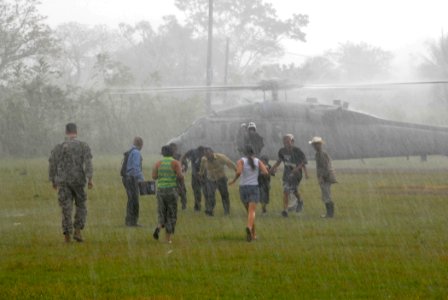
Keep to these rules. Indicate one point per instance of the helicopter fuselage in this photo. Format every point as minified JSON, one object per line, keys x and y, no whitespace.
{"x":348,"y":134}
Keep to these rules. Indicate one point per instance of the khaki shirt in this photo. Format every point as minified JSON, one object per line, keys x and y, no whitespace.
{"x":324,"y":169}
{"x":215,"y":167}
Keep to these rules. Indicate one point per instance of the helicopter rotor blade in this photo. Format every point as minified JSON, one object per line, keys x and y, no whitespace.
{"x":265,"y":86}
{"x":374,"y":85}
{"x":174,"y":89}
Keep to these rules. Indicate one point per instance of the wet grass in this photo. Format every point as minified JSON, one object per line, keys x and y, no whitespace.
{"x":388,"y":240}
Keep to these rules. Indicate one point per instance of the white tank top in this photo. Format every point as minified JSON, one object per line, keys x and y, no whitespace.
{"x":249,"y":176}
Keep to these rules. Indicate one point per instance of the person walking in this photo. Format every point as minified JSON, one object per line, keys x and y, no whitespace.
{"x":70,"y":167}
{"x":249,"y":168}
{"x":131,"y":179}
{"x":194,"y":156}
{"x":212,"y":167}
{"x":167,"y":172}
{"x":325,"y":175}
{"x":294,"y":161}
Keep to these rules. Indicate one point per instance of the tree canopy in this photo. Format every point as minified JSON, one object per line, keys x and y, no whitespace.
{"x":254,"y":29}
{"x":361,"y":61}
{"x":24,"y":36}
{"x":435,"y":66}
{"x":169,"y":55}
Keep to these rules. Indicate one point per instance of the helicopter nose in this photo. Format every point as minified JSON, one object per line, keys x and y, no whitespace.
{"x":178,"y":141}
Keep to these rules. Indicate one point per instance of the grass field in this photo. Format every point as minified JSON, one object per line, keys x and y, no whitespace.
{"x":389,"y":240}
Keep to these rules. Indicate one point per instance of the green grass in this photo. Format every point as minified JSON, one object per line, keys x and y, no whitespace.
{"x":388,"y":240}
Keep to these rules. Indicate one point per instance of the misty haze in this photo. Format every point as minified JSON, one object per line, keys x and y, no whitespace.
{"x":369,"y":81}
{"x":70,"y":72}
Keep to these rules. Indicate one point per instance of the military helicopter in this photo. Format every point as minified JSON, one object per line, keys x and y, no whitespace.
{"x":348,"y":134}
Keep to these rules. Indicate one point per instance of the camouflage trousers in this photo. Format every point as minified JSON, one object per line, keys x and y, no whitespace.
{"x":67,"y":195}
{"x":197,"y":187}
{"x":167,"y":208}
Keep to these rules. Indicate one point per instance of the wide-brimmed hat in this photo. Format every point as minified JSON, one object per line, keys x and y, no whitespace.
{"x":316,"y":140}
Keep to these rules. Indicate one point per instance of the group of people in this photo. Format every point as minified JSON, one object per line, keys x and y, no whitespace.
{"x":170,"y":185}
{"x":70,"y":168}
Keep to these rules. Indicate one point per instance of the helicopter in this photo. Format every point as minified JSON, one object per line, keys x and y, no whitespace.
{"x":348,"y":134}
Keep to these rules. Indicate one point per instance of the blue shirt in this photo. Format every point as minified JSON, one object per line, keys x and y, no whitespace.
{"x":134,"y":165}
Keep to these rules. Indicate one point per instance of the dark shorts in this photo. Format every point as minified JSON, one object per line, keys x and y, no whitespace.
{"x":291,"y":183}
{"x":249,"y":193}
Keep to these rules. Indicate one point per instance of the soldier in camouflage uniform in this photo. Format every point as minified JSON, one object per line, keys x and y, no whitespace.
{"x":70,"y":167}
{"x":253,"y":139}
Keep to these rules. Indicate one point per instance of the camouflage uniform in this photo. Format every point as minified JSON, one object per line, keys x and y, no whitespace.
{"x":254,"y":140}
{"x":70,"y":164}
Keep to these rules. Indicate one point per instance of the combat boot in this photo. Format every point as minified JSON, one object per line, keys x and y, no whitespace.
{"x":299,"y":206}
{"x":67,"y":238}
{"x":155,"y":235}
{"x":77,"y":236}
{"x":330,"y":210}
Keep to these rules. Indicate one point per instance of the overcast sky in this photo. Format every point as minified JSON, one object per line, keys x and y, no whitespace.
{"x":394,"y":25}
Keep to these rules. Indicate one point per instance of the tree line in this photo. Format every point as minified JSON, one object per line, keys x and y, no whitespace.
{"x":50,"y":76}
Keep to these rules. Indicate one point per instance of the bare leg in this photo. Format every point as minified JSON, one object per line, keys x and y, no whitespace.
{"x":254,"y":236}
{"x":251,"y":215}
